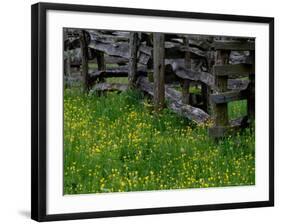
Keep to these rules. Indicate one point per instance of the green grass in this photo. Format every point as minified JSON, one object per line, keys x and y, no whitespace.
{"x":237,"y":109}
{"x":123,"y":80}
{"x":115,"y":143}
{"x":194,"y":89}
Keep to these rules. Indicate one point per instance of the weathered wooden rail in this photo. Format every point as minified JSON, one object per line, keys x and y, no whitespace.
{"x":222,"y":96}
{"x":215,"y":66}
{"x":175,"y":103}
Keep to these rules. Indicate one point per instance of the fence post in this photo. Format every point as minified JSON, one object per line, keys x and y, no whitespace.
{"x":205,"y":93}
{"x":186,"y":83}
{"x":101,"y":64}
{"x":206,"y":89}
{"x":133,"y":51}
{"x":251,"y":90}
{"x":208,"y":105}
{"x":84,"y":64}
{"x":159,"y":70}
{"x":67,"y":67}
{"x":68,"y":62}
{"x":220,"y":110}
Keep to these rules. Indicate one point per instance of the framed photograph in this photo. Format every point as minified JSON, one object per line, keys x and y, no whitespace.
{"x":139,"y":111}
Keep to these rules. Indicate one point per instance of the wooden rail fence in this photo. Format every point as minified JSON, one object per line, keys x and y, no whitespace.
{"x":186,"y":61}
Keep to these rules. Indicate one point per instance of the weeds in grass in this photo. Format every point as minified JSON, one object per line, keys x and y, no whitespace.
{"x":115,"y":143}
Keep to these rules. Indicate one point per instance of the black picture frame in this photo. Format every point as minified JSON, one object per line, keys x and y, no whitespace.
{"x":39,"y":107}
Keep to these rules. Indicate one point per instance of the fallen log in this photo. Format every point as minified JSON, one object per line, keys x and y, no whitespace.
{"x":193,"y":113}
{"x":174,"y":102}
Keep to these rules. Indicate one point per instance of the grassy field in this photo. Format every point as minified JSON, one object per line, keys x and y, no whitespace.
{"x":115,"y":143}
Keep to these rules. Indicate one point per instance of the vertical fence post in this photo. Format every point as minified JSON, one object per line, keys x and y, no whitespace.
{"x":68,"y":62}
{"x":186,"y":83}
{"x":206,"y":89}
{"x":101,"y":64}
{"x":220,"y":110}
{"x":208,"y":105}
{"x":159,"y":70}
{"x":67,"y":67}
{"x":133,"y":51}
{"x":251,"y":90}
{"x":84,"y":55}
{"x":205,"y":93}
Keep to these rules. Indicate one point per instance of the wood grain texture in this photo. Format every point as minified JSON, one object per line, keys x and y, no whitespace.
{"x":174,"y":102}
{"x":133,"y":51}
{"x":233,"y":71}
{"x":226,"y":97}
{"x":220,"y":110}
{"x":84,"y":63}
{"x":159,"y":71}
{"x":186,"y":82}
{"x":233,"y":45}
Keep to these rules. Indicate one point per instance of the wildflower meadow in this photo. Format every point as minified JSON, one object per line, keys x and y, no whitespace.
{"x":116,"y":143}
